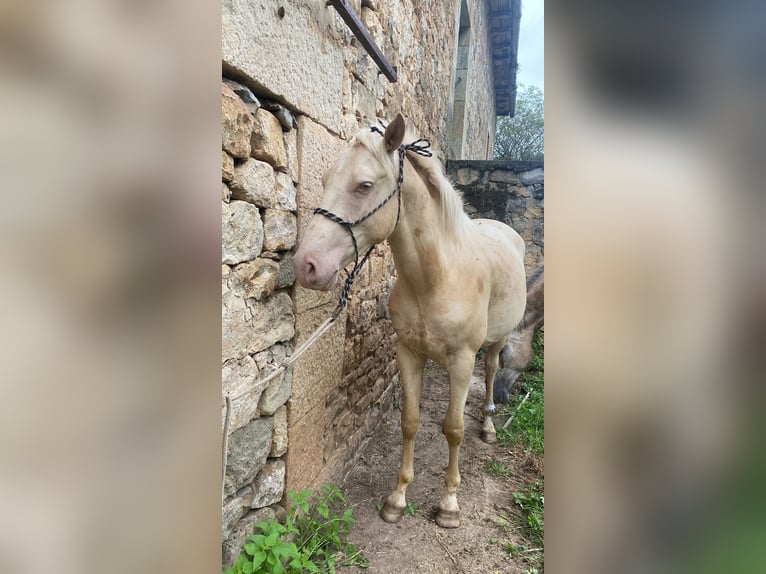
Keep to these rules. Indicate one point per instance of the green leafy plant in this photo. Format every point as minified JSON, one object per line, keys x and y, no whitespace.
{"x":410,"y":509}
{"x":314,"y":538}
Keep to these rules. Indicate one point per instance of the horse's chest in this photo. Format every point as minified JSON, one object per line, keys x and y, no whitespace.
{"x":435,"y":326}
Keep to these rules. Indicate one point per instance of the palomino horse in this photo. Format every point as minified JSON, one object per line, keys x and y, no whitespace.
{"x":517,"y":354}
{"x":460,"y":282}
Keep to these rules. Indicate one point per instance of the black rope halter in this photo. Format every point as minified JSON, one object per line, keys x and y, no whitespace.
{"x":419,"y":146}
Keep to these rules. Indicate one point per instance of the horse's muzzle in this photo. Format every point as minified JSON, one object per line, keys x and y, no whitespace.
{"x":312,"y":273}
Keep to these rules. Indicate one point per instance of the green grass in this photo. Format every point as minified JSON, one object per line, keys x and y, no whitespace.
{"x":496,"y":468}
{"x":528,"y":426}
{"x":313,"y":539}
{"x":532,"y":504}
{"x":528,"y":430}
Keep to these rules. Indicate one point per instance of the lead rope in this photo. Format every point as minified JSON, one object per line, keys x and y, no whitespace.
{"x":419,"y":146}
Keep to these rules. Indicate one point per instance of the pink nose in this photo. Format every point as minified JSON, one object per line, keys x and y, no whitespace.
{"x":309,"y":271}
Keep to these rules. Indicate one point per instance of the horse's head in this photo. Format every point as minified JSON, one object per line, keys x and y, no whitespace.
{"x":359,"y":181}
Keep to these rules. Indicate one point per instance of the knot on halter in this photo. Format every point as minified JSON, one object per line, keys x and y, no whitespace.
{"x":421,"y":147}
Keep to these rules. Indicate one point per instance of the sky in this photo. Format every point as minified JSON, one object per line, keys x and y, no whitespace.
{"x":531,"y":36}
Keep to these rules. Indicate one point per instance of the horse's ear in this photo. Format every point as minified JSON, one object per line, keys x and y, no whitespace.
{"x":394,"y":133}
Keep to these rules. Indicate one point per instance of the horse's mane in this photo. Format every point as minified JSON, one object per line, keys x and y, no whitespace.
{"x":431,"y":172}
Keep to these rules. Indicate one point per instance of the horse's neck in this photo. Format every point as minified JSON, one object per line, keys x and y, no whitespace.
{"x":419,"y":244}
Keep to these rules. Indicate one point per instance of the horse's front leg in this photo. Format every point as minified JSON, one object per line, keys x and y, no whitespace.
{"x":460,"y":370}
{"x":411,"y":367}
{"x":491,"y":361}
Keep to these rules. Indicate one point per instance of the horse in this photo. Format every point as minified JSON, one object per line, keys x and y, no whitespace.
{"x":517,"y":353}
{"x":460,"y":282}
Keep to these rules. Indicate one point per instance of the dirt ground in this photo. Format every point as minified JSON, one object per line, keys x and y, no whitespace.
{"x":416,"y":544}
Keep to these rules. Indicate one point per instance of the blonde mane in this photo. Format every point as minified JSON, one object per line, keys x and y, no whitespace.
{"x":431,"y":172}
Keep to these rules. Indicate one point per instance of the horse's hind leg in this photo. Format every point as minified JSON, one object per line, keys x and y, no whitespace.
{"x":411,"y":369}
{"x":491,"y":361}
{"x":460,"y":371}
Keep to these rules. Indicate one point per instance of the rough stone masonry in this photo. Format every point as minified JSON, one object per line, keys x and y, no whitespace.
{"x":259,"y":228}
{"x":509,"y":191}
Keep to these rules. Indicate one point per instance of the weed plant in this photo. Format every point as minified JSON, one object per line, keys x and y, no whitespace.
{"x":314,"y":538}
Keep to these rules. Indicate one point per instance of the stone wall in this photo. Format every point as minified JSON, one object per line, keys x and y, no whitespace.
{"x":259,"y":230}
{"x":509,"y":191}
{"x":480,"y":118}
{"x":297,"y":87}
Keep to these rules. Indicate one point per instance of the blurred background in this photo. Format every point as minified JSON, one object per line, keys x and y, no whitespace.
{"x":110,"y":410}
{"x":654,"y":149}
{"x":109,"y":416}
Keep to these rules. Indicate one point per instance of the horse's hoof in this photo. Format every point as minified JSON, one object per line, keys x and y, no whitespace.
{"x":448,"y":518}
{"x":489,"y":437}
{"x":391,"y":513}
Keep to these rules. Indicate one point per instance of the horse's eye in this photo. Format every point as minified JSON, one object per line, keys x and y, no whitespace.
{"x":366,"y":186}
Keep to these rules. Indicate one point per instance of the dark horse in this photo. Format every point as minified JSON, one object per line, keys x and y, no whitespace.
{"x":517,"y":354}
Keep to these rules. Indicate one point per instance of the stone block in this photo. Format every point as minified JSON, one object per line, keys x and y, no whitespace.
{"x":235,"y":509}
{"x":248,"y":448}
{"x":291,"y":151}
{"x":365,"y":106}
{"x":380,"y":264}
{"x":238,"y":376}
{"x":237,"y":124}
{"x":251,"y":326}
{"x":276,"y":393}
{"x":309,"y":299}
{"x":305,"y":457}
{"x":254,"y":182}
{"x":349,"y":126}
{"x":225,"y":193}
{"x":245,"y":528}
{"x":504,"y":176}
{"x":534,"y":211}
{"x":285,"y":194}
{"x":296,"y":55}
{"x":317,"y":151}
{"x":244,"y":93}
{"x":285,"y":116}
{"x":227,"y":166}
{"x":280,"y":230}
{"x":269,"y":485}
{"x":286,"y":275}
{"x":532,"y":177}
{"x":319,"y":370}
{"x":467,"y":176}
{"x":241,"y":231}
{"x":279,"y":439}
{"x":257,"y":278}
{"x":266,"y":143}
